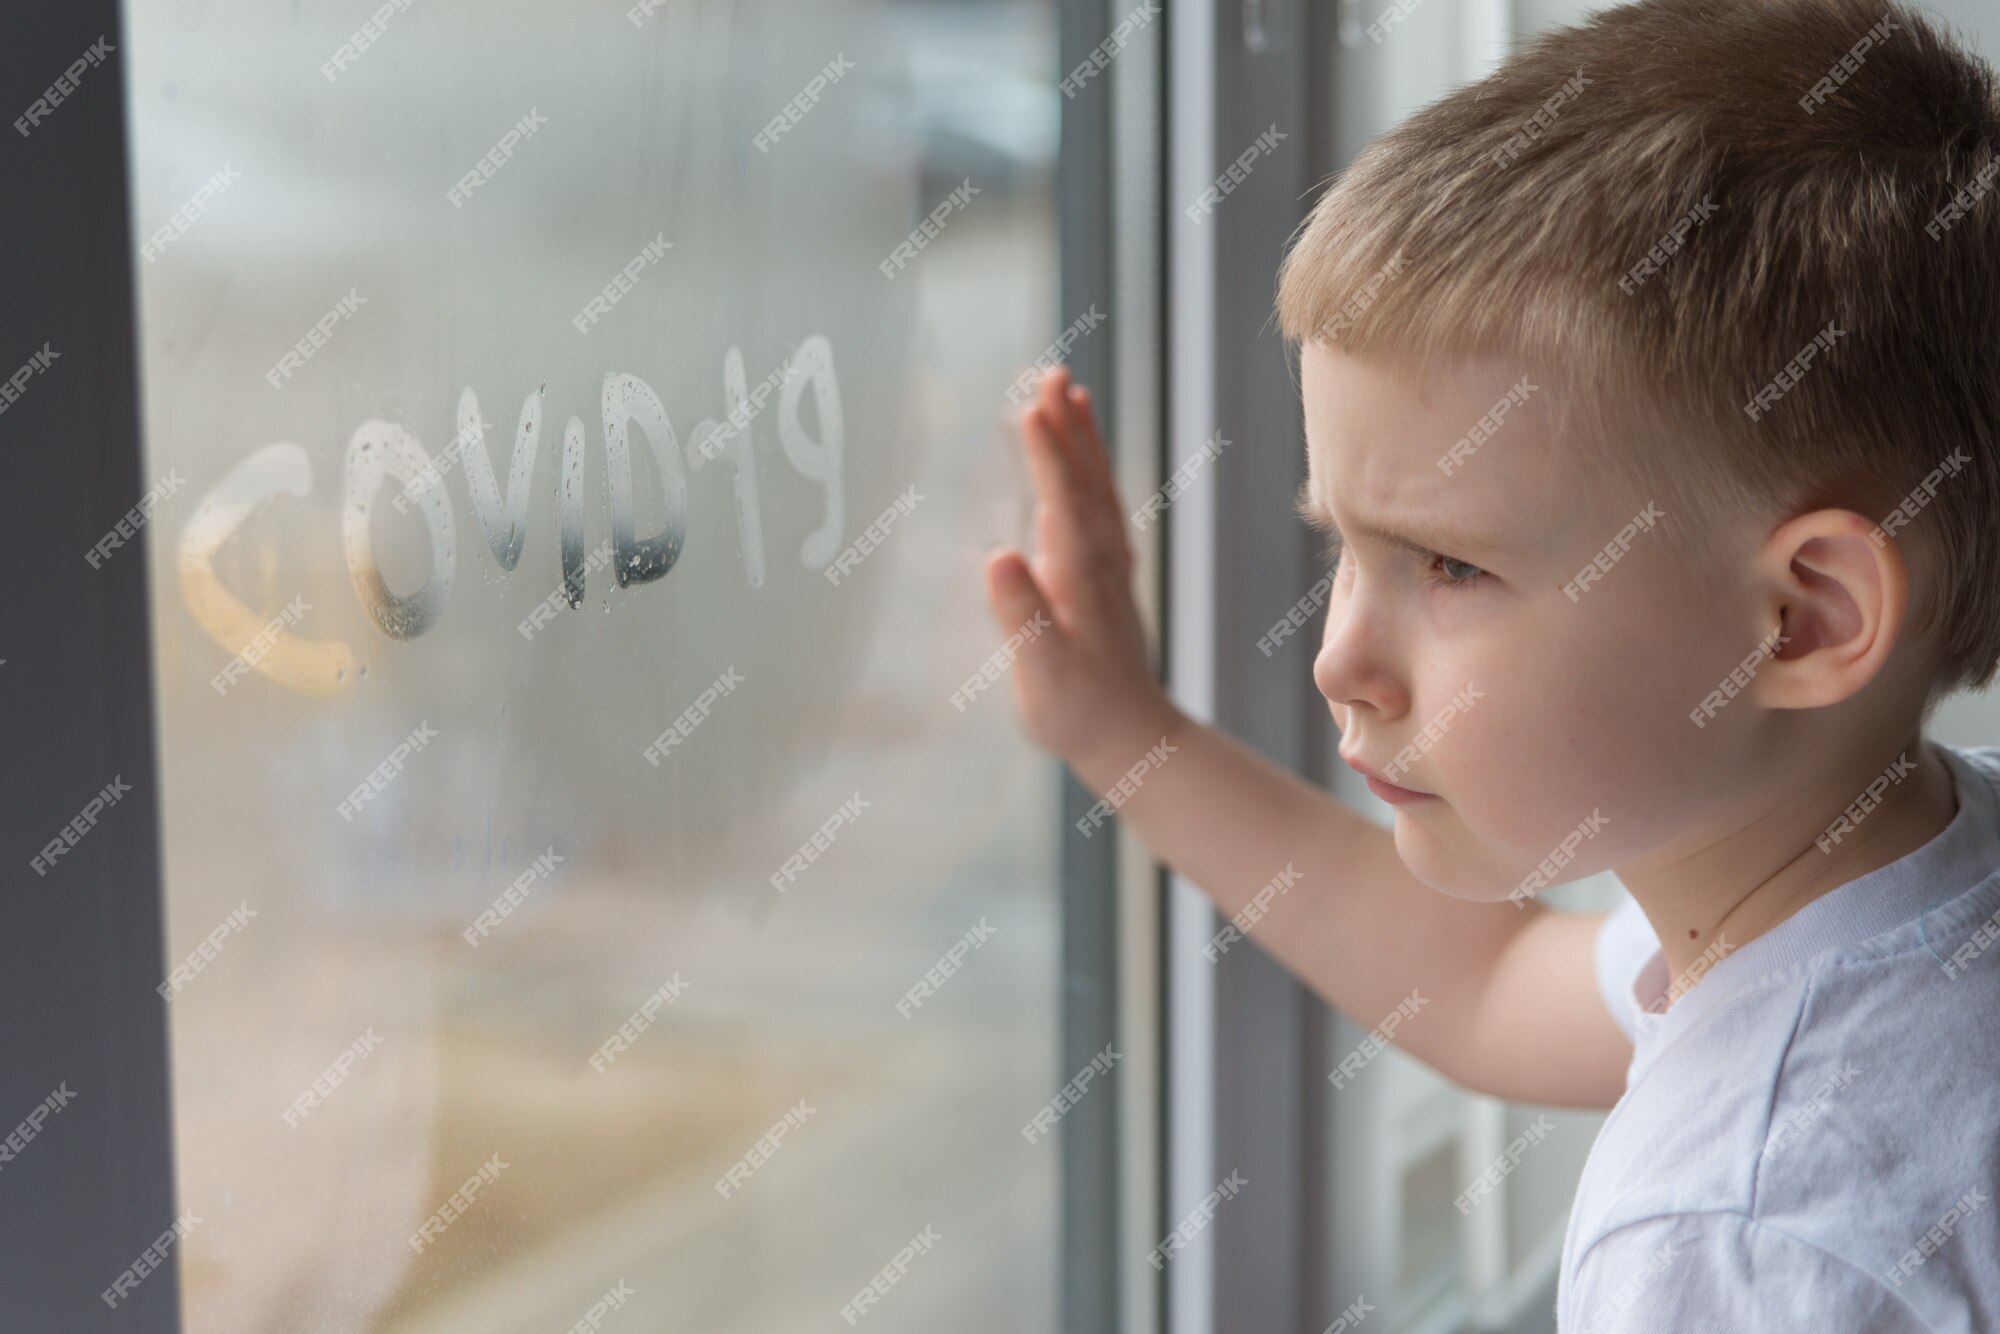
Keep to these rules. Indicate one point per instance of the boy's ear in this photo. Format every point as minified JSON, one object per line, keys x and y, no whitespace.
{"x":1837,"y":591}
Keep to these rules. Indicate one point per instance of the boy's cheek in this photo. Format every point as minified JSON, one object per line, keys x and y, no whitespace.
{"x":1521,"y":799}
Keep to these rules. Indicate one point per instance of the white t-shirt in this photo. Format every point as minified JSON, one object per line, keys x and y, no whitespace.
{"x":1809,"y":1138}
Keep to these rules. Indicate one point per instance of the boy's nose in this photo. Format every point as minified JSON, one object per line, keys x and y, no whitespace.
{"x":1351,"y":670}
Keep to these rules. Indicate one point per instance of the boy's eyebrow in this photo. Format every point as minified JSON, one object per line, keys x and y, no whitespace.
{"x":1436,"y":537}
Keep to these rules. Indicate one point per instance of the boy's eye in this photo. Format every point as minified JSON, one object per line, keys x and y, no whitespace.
{"x":1453,"y":579}
{"x":1453,"y":573}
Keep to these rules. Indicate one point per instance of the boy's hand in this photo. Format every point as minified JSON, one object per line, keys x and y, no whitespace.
{"x":1084,"y":684}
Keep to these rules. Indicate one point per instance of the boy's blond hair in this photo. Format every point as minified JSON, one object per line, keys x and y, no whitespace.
{"x":1753,"y":246}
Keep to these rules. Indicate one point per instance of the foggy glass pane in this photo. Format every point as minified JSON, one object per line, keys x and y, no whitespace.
{"x":542,"y":822}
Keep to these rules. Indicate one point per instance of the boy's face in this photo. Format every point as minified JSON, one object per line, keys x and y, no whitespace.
{"x":1571,"y":720}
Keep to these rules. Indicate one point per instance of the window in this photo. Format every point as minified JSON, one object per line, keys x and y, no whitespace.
{"x":591,"y":883}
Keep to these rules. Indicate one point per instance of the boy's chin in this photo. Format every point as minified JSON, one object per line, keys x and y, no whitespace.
{"x":1473,"y":880}
{"x":1476,"y":893}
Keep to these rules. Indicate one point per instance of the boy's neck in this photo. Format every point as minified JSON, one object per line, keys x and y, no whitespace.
{"x":1715,"y":900}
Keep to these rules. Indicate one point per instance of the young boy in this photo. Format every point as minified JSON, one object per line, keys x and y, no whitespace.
{"x":1652,"y":398}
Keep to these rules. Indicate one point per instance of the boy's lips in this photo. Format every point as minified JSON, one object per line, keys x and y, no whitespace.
{"x":1382,"y":787}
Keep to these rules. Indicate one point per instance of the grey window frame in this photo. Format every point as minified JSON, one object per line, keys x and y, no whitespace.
{"x":1245,"y":1084}
{"x":94,"y":1188}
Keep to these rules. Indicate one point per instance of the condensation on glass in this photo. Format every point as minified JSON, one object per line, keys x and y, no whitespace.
{"x":525,"y":387}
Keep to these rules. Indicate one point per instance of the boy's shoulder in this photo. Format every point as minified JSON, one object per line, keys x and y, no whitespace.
{"x":1833,"y":1136}
{"x":1826,"y":1130}
{"x":1983,"y":759}
{"x":1722,"y":1271}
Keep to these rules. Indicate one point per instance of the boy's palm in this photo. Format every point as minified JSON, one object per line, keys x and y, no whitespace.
{"x":1083,"y":679}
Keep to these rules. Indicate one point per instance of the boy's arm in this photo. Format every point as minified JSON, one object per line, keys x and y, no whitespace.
{"x":1510,"y":1004}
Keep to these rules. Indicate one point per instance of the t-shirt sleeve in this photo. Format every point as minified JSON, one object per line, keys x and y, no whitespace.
{"x":1625,"y":940}
{"x":1723,"y":1271}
